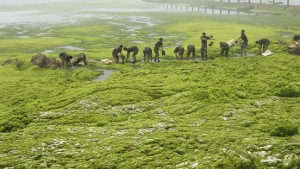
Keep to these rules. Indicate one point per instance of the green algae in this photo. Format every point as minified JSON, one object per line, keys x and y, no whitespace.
{"x":220,"y":113}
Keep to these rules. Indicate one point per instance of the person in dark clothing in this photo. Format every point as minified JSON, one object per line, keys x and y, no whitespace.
{"x":296,"y":38}
{"x":244,"y":41}
{"x":204,"y":39}
{"x":224,"y":48}
{"x":135,"y":51}
{"x":65,"y":59}
{"x":263,"y":43}
{"x":80,"y":57}
{"x":179,"y":50}
{"x":191,"y":50}
{"x":158,"y":47}
{"x":147,"y":53}
{"x":116,"y":52}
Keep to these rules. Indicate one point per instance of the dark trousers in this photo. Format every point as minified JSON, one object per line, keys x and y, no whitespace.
{"x":225,"y":51}
{"x":204,"y":52}
{"x":266,"y":45}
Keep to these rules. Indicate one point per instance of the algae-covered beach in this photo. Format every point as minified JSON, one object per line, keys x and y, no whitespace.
{"x":235,"y":112}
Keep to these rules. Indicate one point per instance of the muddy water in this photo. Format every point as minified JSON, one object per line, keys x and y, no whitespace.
{"x":49,"y":14}
{"x":67,"y":12}
{"x":131,"y":24}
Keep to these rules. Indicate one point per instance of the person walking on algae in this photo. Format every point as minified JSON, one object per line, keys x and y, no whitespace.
{"x":158,"y":47}
{"x":243,"y":38}
{"x":263,"y":43}
{"x":116,"y":52}
{"x":204,"y":39}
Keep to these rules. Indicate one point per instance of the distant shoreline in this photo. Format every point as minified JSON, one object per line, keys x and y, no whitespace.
{"x":234,"y":2}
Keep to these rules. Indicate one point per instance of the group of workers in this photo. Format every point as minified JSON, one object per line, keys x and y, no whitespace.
{"x":225,"y":46}
{"x":117,"y":52}
{"x":179,"y":50}
{"x":191,"y":50}
{"x":66,"y":59}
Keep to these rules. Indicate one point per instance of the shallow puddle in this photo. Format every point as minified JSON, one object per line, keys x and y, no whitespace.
{"x":48,"y":51}
{"x":70,"y":48}
{"x":287,"y":34}
{"x":248,"y":55}
{"x":106,"y":74}
{"x":22,"y":37}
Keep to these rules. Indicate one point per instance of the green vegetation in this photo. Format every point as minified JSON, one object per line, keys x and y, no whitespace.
{"x":219,"y":113}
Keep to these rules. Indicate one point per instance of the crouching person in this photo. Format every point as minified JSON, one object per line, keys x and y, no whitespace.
{"x":147,"y":53}
{"x":179,"y":50}
{"x":65,"y":59}
{"x":224,"y":49}
{"x":263,"y":43}
{"x":135,"y":51}
{"x":80,"y":58}
{"x":116,"y":52}
{"x":191,"y":50}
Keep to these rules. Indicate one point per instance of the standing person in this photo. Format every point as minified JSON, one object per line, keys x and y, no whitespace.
{"x":135,"y":51}
{"x":224,"y":48}
{"x":263,"y":43}
{"x":204,"y":39}
{"x":116,"y":52}
{"x":244,"y":41}
{"x":158,"y":46}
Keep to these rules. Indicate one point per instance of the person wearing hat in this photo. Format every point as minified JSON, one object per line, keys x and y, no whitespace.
{"x":158,"y":46}
{"x":243,"y":38}
{"x":204,"y":39}
{"x":263,"y":43}
{"x":116,"y":52}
